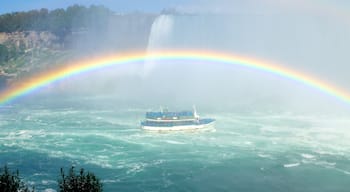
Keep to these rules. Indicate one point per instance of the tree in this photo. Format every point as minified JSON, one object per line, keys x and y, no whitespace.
{"x":81,"y":182}
{"x":11,"y":182}
{"x":4,"y":54}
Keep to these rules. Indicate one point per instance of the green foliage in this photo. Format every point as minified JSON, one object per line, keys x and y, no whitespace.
{"x":4,"y":54}
{"x":79,"y":182}
{"x":59,"y":21}
{"x":11,"y":182}
{"x":72,"y":182}
{"x":12,"y":51}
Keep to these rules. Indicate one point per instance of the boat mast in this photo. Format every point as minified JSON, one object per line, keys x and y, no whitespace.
{"x":196,"y":116}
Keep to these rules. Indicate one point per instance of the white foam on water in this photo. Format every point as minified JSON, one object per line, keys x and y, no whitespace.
{"x":262,"y":155}
{"x":291,"y":165}
{"x":32,"y":183}
{"x":325,"y":164}
{"x":346,"y":172}
{"x":99,"y":162}
{"x":40,"y":174}
{"x":307,"y":156}
{"x":175,"y":142}
{"x":158,"y":162}
{"x":110,"y":180}
{"x":49,"y":190}
{"x":48,"y":182}
{"x":135,"y":168}
{"x":19,"y":135}
{"x":248,"y":142}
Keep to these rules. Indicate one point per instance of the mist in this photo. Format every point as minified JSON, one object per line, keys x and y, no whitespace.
{"x":307,"y":39}
{"x":255,"y":130}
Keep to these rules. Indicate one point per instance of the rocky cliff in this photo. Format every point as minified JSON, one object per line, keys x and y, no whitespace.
{"x":29,"y":40}
{"x":24,"y":53}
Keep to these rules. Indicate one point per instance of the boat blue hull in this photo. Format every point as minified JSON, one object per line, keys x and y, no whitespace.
{"x":176,"y":126}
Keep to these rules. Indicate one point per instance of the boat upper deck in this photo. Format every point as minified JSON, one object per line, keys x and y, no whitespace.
{"x":170,"y":115}
{"x":177,"y":123}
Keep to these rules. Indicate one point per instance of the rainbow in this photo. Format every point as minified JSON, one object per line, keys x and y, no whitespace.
{"x":29,"y":85}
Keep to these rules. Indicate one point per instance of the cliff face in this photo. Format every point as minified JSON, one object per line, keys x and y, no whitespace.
{"x":3,"y":37}
{"x":29,"y":39}
{"x":119,"y":32}
{"x":24,"y":53}
{"x":19,"y":52}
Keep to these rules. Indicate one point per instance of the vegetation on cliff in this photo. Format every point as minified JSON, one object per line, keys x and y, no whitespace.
{"x":60,"y":22}
{"x":71,"y":182}
{"x":37,"y":40}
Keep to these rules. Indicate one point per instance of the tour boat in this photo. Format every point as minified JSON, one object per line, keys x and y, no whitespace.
{"x":175,"y":121}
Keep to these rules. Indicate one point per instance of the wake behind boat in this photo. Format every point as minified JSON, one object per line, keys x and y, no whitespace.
{"x":175,"y":121}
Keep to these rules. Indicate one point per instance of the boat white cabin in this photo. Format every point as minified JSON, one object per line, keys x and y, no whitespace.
{"x":175,"y":121}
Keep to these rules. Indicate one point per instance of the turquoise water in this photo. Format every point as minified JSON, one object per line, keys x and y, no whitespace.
{"x":254,"y":151}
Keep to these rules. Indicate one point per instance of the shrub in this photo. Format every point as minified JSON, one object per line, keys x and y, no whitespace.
{"x":11,"y":182}
{"x":78,"y":182}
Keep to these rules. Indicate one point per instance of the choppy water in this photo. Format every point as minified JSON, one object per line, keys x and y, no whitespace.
{"x":247,"y":152}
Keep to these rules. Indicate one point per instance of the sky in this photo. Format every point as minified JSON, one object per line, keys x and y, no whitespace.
{"x":156,"y":6}
{"x":7,"y":6}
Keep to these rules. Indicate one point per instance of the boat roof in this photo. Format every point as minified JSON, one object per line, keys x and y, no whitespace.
{"x":153,"y":115}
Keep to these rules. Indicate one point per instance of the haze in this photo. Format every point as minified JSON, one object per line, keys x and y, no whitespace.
{"x":309,"y":37}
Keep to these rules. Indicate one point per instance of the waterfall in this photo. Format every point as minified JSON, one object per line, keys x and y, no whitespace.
{"x":159,"y":37}
{"x":160,"y":32}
